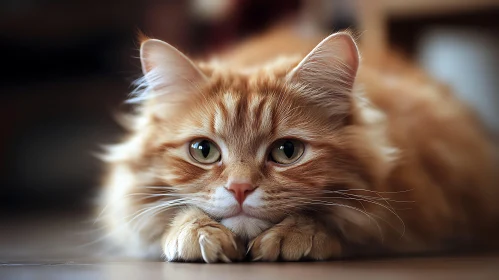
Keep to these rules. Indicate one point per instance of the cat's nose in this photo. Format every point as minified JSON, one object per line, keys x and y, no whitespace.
{"x":240,"y":190}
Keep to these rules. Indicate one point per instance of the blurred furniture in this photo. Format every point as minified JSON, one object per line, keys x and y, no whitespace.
{"x":374,"y":15}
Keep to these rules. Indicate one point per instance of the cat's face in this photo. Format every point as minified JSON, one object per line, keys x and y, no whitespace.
{"x":249,"y":149}
{"x":284,"y":153}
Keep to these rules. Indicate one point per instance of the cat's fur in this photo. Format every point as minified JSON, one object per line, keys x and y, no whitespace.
{"x":393,"y":162}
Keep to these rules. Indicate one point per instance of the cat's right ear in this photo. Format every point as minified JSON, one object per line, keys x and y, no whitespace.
{"x":167,"y":71}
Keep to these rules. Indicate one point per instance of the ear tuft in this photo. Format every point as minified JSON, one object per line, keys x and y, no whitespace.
{"x":141,"y":36}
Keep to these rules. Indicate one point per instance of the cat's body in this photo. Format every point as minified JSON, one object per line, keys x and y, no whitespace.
{"x":390,"y":162}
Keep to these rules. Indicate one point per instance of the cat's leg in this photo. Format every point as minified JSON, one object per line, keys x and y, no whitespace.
{"x":295,"y":238}
{"x":194,"y":236}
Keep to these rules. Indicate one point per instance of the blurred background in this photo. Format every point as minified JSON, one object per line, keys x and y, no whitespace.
{"x":67,"y":66}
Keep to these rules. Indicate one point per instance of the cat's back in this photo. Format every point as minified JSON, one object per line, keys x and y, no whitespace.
{"x":445,"y":151}
{"x":420,"y":108}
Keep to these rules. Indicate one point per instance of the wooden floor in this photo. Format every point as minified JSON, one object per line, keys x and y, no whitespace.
{"x":425,"y":269}
{"x":58,"y":247}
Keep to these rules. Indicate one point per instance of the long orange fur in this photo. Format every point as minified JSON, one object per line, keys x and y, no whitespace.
{"x":407,"y":167}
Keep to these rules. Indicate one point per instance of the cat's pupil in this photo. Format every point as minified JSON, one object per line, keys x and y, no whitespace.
{"x":288,"y":148}
{"x":204,"y":146}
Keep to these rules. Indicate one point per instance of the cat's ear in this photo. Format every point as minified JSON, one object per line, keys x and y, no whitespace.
{"x":328,"y":73}
{"x":168,"y":71}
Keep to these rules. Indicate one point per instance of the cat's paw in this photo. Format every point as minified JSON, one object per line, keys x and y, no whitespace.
{"x":201,"y":239}
{"x":295,"y":238}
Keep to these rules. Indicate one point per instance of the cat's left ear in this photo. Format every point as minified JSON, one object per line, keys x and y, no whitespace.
{"x":328,"y":73}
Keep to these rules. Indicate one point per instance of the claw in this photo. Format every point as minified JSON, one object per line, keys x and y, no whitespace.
{"x":257,"y":258}
{"x":224,"y":258}
{"x":234,"y":243}
{"x":309,"y":248}
{"x":250,"y":245}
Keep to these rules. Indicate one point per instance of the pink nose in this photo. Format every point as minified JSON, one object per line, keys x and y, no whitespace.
{"x":240,"y":190}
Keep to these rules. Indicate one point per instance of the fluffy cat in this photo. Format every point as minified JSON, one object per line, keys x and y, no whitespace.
{"x":270,"y":154}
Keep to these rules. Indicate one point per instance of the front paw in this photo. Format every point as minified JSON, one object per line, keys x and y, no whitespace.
{"x":196,"y":237}
{"x":293,"y":239}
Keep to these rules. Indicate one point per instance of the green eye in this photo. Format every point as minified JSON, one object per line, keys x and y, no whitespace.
{"x":204,"y":151}
{"x":286,"y":151}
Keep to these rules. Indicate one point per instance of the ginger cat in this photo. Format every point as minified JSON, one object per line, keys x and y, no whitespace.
{"x":269,"y":153}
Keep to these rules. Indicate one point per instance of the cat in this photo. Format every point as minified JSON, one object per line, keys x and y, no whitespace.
{"x":285,"y":149}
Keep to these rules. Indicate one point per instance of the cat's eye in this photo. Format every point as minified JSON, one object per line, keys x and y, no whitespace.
{"x":286,"y":151}
{"x":204,"y":151}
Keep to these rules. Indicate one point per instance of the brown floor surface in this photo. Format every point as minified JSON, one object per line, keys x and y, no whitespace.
{"x":57,"y":247}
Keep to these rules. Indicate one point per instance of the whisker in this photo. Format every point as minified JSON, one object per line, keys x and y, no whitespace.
{"x":389,"y":208}
{"x":366,"y":190}
{"x":144,"y":210}
{"x":367,"y":214}
{"x":377,"y":198}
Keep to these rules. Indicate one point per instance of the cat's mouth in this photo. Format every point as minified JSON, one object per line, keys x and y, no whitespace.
{"x":239,"y":212}
{"x":243,"y":211}
{"x":246,"y":211}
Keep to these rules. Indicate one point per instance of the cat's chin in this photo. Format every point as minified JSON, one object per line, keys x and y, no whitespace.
{"x":246,"y":227}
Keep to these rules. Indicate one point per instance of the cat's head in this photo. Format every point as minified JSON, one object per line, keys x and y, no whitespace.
{"x":249,"y":146}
